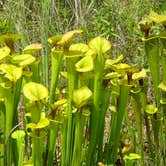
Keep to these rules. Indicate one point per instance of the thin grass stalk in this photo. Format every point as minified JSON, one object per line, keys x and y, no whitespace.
{"x":121,"y":107}
{"x":46,"y":7}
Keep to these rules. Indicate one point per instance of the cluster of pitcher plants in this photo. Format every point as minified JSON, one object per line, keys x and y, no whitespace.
{"x":96,"y":109}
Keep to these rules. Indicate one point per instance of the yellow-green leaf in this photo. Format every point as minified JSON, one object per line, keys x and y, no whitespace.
{"x":18,"y":134}
{"x":99,"y":45}
{"x":140,"y":75}
{"x":110,"y":62}
{"x":68,"y":36}
{"x":41,"y":124}
{"x":9,"y":39}
{"x":4,"y":51}
{"x":157,"y":18}
{"x":132,"y":156}
{"x":54,"y":39}
{"x":23,"y":60}
{"x":32,"y":48}
{"x":85,"y":64}
{"x":35,"y":91}
{"x":79,"y":47}
{"x":162,"y":86}
{"x":121,"y":66}
{"x":112,"y":75}
{"x":11,"y":72}
{"x":86,"y":112}
{"x":151,"y":109}
{"x":81,"y":96}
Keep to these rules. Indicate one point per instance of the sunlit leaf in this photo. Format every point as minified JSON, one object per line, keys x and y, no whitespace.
{"x":112,"y":108}
{"x":9,"y":39}
{"x":81,"y":96}
{"x":18,"y":134}
{"x":85,"y":64}
{"x":34,"y":91}
{"x":90,"y":52}
{"x":101,"y":164}
{"x":32,"y":48}
{"x":112,"y":75}
{"x":127,"y":148}
{"x":86,"y":112}
{"x":23,"y":60}
{"x":11,"y":72}
{"x":4,"y":51}
{"x":64,"y":74}
{"x":73,"y":53}
{"x":121,"y":66}
{"x":99,"y":45}
{"x":139,"y":75}
{"x":110,"y":62}
{"x":132,"y":156}
{"x":162,"y":86}
{"x":54,"y":39}
{"x":163,"y":101}
{"x":60,"y":102}
{"x":157,"y":18}
{"x":79,"y":47}
{"x":151,"y":109}
{"x":41,"y":124}
{"x":68,"y":36}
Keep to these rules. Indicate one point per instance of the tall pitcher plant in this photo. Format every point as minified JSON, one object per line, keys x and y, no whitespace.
{"x":154,"y":49}
{"x":12,"y":69}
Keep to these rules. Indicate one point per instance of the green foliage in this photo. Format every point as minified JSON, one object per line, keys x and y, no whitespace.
{"x":87,"y":110}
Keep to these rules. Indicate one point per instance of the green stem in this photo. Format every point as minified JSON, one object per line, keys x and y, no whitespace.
{"x":56,"y":60}
{"x":20,"y":147}
{"x":94,"y":121}
{"x":9,"y":102}
{"x":2,"y":133}
{"x":105,"y":103}
{"x":112,"y":129}
{"x":36,"y":141}
{"x":37,"y":151}
{"x":72,"y":82}
{"x":79,"y":128}
{"x":136,"y":103}
{"x":122,"y":103}
{"x":53,"y":133}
